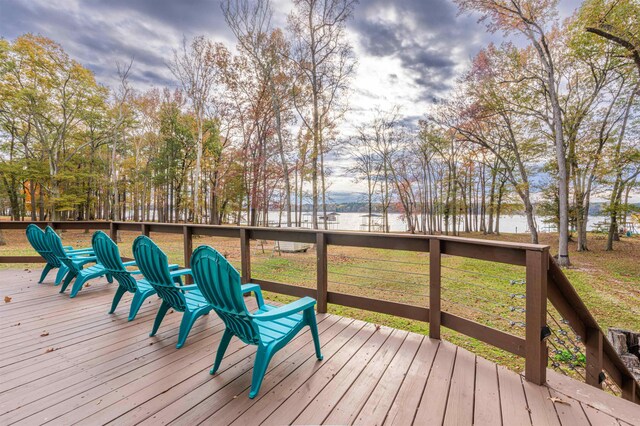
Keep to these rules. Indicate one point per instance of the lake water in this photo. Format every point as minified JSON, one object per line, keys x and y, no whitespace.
{"x":508,"y":224}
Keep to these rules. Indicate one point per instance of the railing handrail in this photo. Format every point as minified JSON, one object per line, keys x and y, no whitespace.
{"x":600,"y":354}
{"x":477,"y":241}
{"x":545,"y":281}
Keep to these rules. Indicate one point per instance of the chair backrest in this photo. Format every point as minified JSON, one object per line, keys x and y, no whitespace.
{"x":154,"y":266}
{"x":55,"y":244}
{"x":108,"y":254}
{"x":220,"y":284}
{"x":38,"y":241}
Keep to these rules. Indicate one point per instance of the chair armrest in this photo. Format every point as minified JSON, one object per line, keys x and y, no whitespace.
{"x":84,"y":260}
{"x":77,"y":253}
{"x":286,"y":310}
{"x":179,"y":272}
{"x":67,"y":248}
{"x":174,"y":266}
{"x":82,"y":250}
{"x":255,"y":288}
{"x":130,"y":263}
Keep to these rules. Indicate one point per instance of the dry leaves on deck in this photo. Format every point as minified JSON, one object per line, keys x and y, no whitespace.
{"x":556,"y":400}
{"x":7,"y":299}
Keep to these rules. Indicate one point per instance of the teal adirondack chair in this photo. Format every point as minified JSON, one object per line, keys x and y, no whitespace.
{"x":182,"y":298}
{"x":37,"y":239}
{"x":108,"y":255}
{"x":269,"y":327}
{"x":76,"y":265}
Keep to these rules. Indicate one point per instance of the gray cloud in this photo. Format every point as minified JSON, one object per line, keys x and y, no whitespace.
{"x":99,"y":33}
{"x":428,"y":37}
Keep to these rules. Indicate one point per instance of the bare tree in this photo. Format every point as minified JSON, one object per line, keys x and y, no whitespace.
{"x":365,"y":165}
{"x":122,"y":96}
{"x":195,"y":68}
{"x":251,"y":24}
{"x":324,"y":61}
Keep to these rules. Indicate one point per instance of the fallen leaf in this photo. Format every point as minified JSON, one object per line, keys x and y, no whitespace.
{"x":87,"y":285}
{"x":7,"y":299}
{"x":44,"y":333}
{"x":49,"y":350}
{"x":556,"y":400}
{"x":16,"y":324}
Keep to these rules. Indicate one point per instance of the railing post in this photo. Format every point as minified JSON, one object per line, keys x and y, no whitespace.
{"x":537,"y":263}
{"x":628,"y":388}
{"x":322,"y":272}
{"x":187,"y":236}
{"x":435,"y":271}
{"x":113,"y":231}
{"x":245,"y":255}
{"x":593,"y":345}
{"x":144,"y":229}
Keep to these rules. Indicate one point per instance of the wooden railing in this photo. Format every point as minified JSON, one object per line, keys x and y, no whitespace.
{"x":545,"y":281}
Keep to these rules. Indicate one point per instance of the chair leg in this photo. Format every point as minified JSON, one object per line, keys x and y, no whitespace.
{"x":71,"y":275}
{"x":222,"y":348}
{"x":136,"y":302}
{"x":45,"y":271}
{"x":62,"y":271}
{"x":116,"y":299}
{"x":188,"y":318}
{"x":109,"y":278}
{"x":159,"y":317}
{"x":77,"y":285}
{"x":259,"y":369}
{"x":86,"y":276}
{"x":310,"y":318}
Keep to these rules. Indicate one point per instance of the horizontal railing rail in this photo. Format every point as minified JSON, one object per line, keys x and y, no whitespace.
{"x":544,"y":282}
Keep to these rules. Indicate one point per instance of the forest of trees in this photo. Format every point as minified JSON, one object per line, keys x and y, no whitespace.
{"x":546,"y":119}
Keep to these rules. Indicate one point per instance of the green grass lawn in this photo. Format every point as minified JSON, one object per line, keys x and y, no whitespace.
{"x":490,"y":293}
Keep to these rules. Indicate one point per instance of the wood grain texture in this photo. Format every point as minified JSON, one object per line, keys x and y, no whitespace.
{"x":104,"y":369}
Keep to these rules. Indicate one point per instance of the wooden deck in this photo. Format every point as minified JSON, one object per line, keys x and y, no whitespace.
{"x":65,"y":361}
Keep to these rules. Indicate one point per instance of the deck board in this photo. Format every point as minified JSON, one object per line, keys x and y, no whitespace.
{"x":459,"y":409}
{"x":406,"y":403}
{"x":372,"y":359}
{"x":354,"y":398}
{"x":382,"y":396}
{"x":513,"y":401}
{"x":486,"y":408}
{"x":368,"y":338}
{"x":569,"y":411}
{"x":105,"y":369}
{"x":433,"y":405}
{"x":541,"y":407}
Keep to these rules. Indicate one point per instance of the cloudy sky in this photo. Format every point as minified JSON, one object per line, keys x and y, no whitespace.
{"x":409,"y":51}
